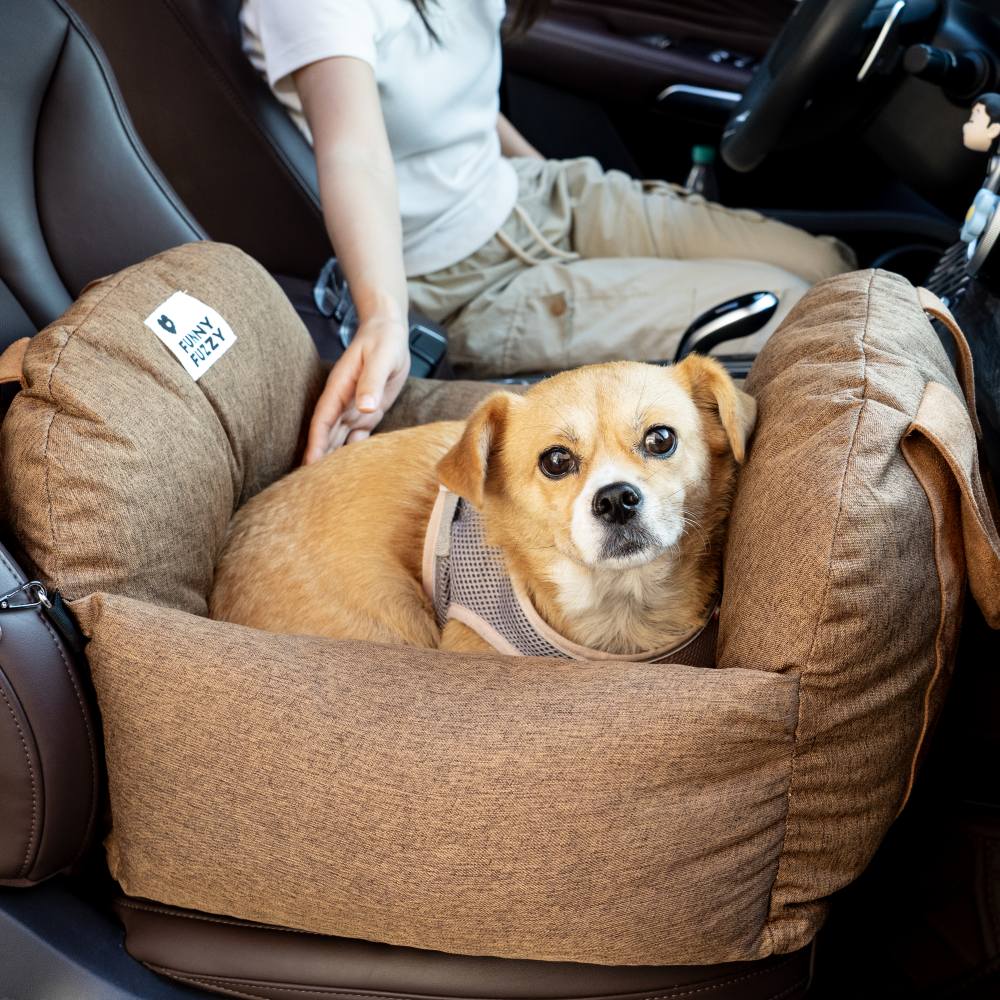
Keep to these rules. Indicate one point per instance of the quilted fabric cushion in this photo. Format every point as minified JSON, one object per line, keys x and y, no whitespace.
{"x":122,"y":471}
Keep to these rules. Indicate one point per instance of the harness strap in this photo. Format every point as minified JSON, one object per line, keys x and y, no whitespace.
{"x":466,"y":580}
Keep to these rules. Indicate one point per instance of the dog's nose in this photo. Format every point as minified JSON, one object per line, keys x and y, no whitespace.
{"x":617,"y":503}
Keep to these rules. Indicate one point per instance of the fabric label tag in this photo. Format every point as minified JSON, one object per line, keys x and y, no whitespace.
{"x":194,"y":333}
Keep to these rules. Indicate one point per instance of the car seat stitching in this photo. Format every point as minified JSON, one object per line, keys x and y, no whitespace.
{"x":228,"y":985}
{"x":33,"y":832}
{"x":768,"y":931}
{"x":42,"y":106}
{"x":84,"y":714}
{"x":216,"y":985}
{"x":797,"y":985}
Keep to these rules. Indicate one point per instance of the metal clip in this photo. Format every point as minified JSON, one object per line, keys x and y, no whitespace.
{"x":35,"y":592}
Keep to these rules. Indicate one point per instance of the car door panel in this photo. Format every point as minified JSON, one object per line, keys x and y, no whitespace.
{"x":748,"y":25}
{"x":631,"y":51}
{"x":577,"y":54}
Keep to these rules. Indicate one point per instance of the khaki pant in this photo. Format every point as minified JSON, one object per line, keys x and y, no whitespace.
{"x":651,"y":258}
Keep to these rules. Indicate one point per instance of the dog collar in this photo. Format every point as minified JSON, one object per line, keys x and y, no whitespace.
{"x":466,"y":580}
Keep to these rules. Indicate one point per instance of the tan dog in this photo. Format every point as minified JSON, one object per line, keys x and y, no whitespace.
{"x":606,"y":489}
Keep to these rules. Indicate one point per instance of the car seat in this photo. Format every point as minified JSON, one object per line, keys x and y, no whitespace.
{"x":249,"y":153}
{"x":79,"y":198}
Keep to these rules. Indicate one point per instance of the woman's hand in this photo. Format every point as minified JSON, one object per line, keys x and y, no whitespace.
{"x":362,"y":385}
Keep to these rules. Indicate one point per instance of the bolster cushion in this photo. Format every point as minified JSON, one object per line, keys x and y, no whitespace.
{"x":481,"y":805}
{"x":121,"y":471}
{"x":846,"y":565}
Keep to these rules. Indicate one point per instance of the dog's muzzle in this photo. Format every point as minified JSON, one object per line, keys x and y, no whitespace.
{"x":616,"y":506}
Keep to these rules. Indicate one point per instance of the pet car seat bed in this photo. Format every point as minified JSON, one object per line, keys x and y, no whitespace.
{"x":621,"y":814}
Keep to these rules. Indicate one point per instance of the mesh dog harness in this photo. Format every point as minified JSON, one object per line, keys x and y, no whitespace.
{"x":467,"y":581}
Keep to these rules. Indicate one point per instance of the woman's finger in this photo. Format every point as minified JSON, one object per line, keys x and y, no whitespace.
{"x":336,"y":397}
{"x":379,"y":365}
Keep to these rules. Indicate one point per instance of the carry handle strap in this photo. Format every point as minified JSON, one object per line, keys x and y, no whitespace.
{"x":932,"y":305}
{"x":12,"y":361}
{"x":941,"y":440}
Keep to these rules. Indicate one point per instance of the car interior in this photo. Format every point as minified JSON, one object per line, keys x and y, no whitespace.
{"x":134,"y":126}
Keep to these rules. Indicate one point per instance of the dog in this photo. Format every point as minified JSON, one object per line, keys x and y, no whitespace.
{"x":591,"y":511}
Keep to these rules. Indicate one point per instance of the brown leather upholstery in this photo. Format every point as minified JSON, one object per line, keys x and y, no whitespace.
{"x":252,"y":960}
{"x":49,"y":752}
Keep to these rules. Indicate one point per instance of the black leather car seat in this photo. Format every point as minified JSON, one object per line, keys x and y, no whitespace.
{"x":79,"y":198}
{"x":240,"y":149}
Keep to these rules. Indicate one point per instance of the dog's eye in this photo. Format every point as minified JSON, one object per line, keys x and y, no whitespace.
{"x":660,"y":441}
{"x":557,"y":462}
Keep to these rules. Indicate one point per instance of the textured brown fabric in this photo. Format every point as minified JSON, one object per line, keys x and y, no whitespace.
{"x":838,"y":572}
{"x":121,"y":471}
{"x":610,"y":813}
{"x":941,"y":422}
{"x":944,"y":457}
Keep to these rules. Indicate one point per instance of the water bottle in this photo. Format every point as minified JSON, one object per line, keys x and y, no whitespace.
{"x":701,"y":178}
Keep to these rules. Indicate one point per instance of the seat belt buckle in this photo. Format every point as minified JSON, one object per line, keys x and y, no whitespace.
{"x":332,"y":297}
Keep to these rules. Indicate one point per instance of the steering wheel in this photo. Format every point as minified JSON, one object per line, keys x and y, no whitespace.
{"x":817,"y":43}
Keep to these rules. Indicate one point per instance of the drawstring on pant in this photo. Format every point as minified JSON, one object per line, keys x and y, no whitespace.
{"x":524,"y":255}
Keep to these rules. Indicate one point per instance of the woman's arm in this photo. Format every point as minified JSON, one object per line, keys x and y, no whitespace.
{"x":357,"y":183}
{"x":512,"y":143}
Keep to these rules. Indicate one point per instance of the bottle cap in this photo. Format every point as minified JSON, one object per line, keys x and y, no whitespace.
{"x":702,"y":156}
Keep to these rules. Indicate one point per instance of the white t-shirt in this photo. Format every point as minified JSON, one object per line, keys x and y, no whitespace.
{"x":440,"y":102}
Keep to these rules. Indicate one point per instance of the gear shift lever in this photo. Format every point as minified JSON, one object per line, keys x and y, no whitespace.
{"x":731,"y":320}
{"x":736,"y":318}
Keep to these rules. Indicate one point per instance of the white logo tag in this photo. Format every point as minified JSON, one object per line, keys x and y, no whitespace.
{"x":194,"y":333}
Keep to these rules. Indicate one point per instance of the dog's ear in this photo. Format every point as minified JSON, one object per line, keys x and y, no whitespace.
{"x":464,"y":469}
{"x":714,"y":391}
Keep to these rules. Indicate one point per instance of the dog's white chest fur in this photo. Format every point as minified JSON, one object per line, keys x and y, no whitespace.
{"x":619,"y":610}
